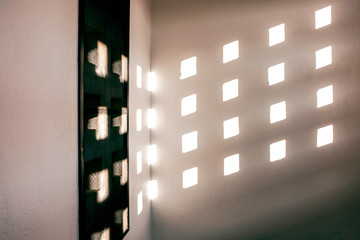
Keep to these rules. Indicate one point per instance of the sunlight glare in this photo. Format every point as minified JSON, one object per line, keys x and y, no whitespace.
{"x":230,"y":89}
{"x":278,"y":112}
{"x":102,"y":60}
{"x":188,"y":68}
{"x":151,"y":118}
{"x":138,"y":76}
{"x":325,"y":135}
{"x":190,"y":177}
{"x":276,"y":34}
{"x":230,"y":51}
{"x":139,"y":203}
{"x":152,"y":189}
{"x":277,"y":150}
{"x":323,"y":57}
{"x":189,"y":141}
{"x":152,"y":154}
{"x":151,"y":81}
{"x":276,"y":73}
{"x":324,"y":96}
{"x":231,"y":164}
{"x":231,"y":127}
{"x":188,"y":105}
{"x":323,"y":17}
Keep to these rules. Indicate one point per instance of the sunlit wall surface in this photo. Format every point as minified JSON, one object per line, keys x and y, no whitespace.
{"x":257,"y":124}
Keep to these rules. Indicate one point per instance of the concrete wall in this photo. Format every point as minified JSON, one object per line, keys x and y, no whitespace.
{"x":38,"y":119}
{"x":313,"y":193}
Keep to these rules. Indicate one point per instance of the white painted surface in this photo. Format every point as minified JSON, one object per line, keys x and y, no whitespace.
{"x":38,"y":120}
{"x":310,"y":192}
{"x":139,"y":98}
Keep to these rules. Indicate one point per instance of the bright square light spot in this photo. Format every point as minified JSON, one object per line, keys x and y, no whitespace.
{"x":278,"y":112}
{"x":102,"y":235}
{"x":100,"y":124}
{"x":325,"y":135}
{"x":231,"y":127}
{"x":230,"y":51}
{"x":231,"y":164}
{"x":151,"y":81}
{"x":188,"y":105}
{"x":151,"y":118}
{"x":138,"y":120}
{"x":138,"y":76}
{"x":276,"y":34}
{"x":324,"y":96}
{"x":124,"y":69}
{"x":190,"y":177}
{"x":188,"y":68}
{"x":138,"y":162}
{"x":102,"y":60}
{"x":123,"y":126}
{"x":323,"y":57}
{"x":276,"y":73}
{"x":322,"y":17}
{"x":152,"y":154}
{"x":152,"y":189}
{"x":230,"y":89}
{"x":277,"y":150}
{"x":189,"y":141}
{"x":103,"y":192}
{"x":140,"y":202}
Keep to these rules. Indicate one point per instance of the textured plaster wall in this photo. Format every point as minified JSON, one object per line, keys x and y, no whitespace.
{"x":38,"y":119}
{"x":313,"y":193}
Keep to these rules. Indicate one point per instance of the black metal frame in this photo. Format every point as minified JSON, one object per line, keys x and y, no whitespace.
{"x":81,"y":127}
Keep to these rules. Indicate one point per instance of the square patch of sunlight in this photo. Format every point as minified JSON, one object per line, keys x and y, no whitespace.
{"x":152,"y":189}
{"x":323,"y":57}
{"x":102,"y":235}
{"x":152,"y":154}
{"x":231,"y":127}
{"x":138,"y":120}
{"x":276,"y":73}
{"x":231,"y":164}
{"x":276,"y":34}
{"x":323,"y":17}
{"x":151,"y":81}
{"x":151,"y":117}
{"x":277,"y":150}
{"x":325,"y":135}
{"x":324,"y":96}
{"x":190,"y":177}
{"x":230,"y":89}
{"x":138,"y":76}
{"x":101,"y":67}
{"x":188,"y":68}
{"x":139,"y":162}
{"x":139,"y":202}
{"x":230,"y":51}
{"x":189,"y":141}
{"x":278,"y":112}
{"x":188,"y":105}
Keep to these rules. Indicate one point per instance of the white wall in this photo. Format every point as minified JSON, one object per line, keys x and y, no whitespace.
{"x":313,"y":192}
{"x":38,"y":119}
{"x":139,"y":98}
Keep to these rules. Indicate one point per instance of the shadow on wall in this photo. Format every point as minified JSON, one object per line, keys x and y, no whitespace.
{"x":257,"y":128}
